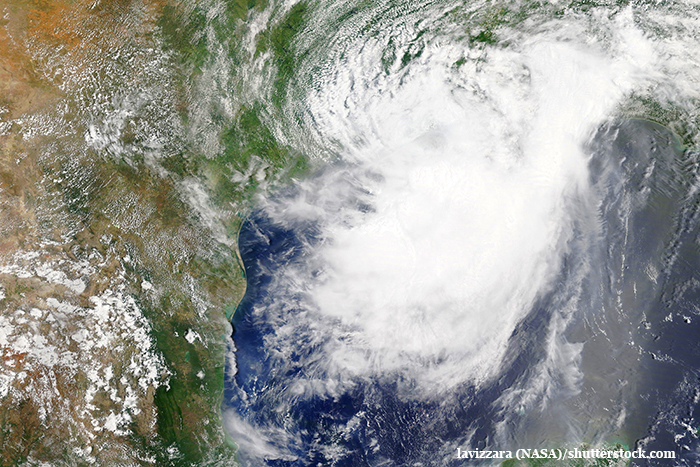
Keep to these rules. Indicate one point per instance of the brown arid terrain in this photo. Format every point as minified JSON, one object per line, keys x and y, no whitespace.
{"x":116,"y":262}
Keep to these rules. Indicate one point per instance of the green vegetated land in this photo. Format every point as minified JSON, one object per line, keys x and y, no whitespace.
{"x":135,"y":210}
{"x":128,"y":206}
{"x":250,"y":156}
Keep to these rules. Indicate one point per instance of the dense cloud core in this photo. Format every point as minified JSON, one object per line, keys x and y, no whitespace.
{"x":456,"y":200}
{"x":465,"y":179}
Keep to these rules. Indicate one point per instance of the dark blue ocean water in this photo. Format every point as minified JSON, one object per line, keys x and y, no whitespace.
{"x":405,"y":430}
{"x":631,"y":274}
